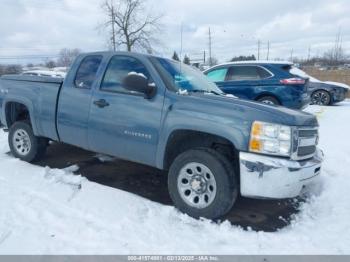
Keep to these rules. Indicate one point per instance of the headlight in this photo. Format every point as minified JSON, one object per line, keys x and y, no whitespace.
{"x":272,"y":139}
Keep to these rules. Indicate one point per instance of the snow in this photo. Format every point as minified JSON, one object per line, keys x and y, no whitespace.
{"x":338,"y":84}
{"x":138,"y":74}
{"x":182,"y":92}
{"x":260,"y":62}
{"x":48,"y":73}
{"x":52,"y":211}
{"x":104,"y":158}
{"x":230,"y":96}
{"x":296,"y":71}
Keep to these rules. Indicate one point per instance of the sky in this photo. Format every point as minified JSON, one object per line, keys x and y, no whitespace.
{"x":35,"y":30}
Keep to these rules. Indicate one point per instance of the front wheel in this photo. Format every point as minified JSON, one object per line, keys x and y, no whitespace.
{"x":24,"y":144}
{"x":202,"y":183}
{"x":321,"y":97}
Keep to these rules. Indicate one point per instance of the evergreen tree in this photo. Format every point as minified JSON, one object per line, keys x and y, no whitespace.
{"x":243,"y":58}
{"x":175,"y":56}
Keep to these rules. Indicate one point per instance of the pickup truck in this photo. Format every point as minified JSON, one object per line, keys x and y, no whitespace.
{"x":167,"y":115}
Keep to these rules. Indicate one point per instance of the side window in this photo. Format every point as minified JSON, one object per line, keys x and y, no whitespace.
{"x":118,"y":68}
{"x":217,"y":75}
{"x":243,"y":73}
{"x":263,"y":73}
{"x":87,"y":71}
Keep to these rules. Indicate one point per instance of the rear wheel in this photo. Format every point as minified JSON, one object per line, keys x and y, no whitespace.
{"x":202,"y":183}
{"x":321,"y":97}
{"x":24,"y":144}
{"x":269,"y":100}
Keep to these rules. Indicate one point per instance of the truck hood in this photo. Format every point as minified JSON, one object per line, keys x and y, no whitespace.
{"x":252,"y":111}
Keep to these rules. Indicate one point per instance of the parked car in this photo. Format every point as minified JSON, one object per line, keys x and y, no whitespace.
{"x":324,"y":93}
{"x":164,"y":114}
{"x":263,"y":81}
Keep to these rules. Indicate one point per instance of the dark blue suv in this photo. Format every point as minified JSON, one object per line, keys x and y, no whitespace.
{"x":267,"y":82}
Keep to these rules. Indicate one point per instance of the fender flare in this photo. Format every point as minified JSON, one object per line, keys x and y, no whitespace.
{"x":27,"y":103}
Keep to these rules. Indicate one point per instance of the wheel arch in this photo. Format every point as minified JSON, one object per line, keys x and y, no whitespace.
{"x":182,"y":140}
{"x":15,"y":110}
{"x":265,"y":94}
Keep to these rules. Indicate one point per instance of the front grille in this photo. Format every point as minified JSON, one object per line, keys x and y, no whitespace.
{"x":306,"y":142}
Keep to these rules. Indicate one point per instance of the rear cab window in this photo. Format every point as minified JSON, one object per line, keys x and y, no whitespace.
{"x":87,"y":71}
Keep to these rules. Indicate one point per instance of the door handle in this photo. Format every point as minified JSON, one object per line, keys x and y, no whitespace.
{"x":101,"y":103}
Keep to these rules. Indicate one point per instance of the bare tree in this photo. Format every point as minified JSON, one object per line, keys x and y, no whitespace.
{"x":50,"y":64}
{"x":67,"y":56}
{"x":213,"y":61}
{"x":10,"y":69}
{"x":131,"y":27}
{"x":336,"y":55}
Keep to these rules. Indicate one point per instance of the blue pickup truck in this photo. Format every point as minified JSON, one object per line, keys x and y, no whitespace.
{"x":164,"y":114}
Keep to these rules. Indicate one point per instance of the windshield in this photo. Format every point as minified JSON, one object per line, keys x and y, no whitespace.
{"x":182,"y":77}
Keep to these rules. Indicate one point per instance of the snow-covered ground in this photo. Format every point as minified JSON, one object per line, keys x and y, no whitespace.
{"x":49,"y":211}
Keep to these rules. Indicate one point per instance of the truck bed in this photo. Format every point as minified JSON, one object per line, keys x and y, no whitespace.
{"x":38,"y":94}
{"x":37,"y":79}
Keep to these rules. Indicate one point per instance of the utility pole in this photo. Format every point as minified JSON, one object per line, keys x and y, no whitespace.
{"x":268,"y":51}
{"x":210,"y":57}
{"x":337,"y":47}
{"x":113,"y":28}
{"x":181,"y":44}
{"x":309,"y":54}
{"x":259,"y":44}
{"x":291,"y":55}
{"x":204,"y":54}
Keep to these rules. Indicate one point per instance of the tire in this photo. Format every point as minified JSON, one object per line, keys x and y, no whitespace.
{"x":269,"y":100}
{"x":321,"y":97}
{"x":24,"y":144}
{"x":216,"y":195}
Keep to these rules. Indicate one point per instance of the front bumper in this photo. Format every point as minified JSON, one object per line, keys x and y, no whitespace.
{"x":276,"y":178}
{"x":340,"y":96}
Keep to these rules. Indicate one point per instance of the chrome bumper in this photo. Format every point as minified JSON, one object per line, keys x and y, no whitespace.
{"x":276,"y":178}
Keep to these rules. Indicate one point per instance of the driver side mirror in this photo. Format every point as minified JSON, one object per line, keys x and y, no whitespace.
{"x":139,"y":83}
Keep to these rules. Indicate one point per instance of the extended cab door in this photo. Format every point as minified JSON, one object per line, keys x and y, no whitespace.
{"x":123,"y":123}
{"x":75,"y":100}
